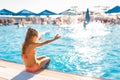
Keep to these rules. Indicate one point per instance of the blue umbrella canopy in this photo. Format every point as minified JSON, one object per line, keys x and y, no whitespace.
{"x":115,"y":9}
{"x":47,"y":12}
{"x":25,"y":12}
{"x":6,"y":12}
{"x":87,"y":16}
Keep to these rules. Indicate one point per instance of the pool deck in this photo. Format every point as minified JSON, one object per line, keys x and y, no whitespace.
{"x":15,"y":71}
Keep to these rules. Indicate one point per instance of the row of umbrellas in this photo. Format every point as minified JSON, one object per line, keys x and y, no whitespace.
{"x":25,"y":12}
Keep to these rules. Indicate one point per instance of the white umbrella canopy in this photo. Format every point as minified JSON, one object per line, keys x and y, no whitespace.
{"x":68,"y":12}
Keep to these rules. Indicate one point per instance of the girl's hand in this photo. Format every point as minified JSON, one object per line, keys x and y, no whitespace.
{"x":57,"y":37}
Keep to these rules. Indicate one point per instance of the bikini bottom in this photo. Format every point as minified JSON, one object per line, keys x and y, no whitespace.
{"x":33,"y":68}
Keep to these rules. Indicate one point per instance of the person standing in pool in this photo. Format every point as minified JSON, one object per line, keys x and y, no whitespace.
{"x":32,"y":63}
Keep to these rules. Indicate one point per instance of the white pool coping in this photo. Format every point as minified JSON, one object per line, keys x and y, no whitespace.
{"x":15,"y":71}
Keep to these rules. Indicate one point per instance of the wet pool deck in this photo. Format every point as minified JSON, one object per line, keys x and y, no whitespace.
{"x":15,"y":71}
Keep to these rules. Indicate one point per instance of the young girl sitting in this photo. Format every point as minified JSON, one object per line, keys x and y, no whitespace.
{"x":32,"y":63}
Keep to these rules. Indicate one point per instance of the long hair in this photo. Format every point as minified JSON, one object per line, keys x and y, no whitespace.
{"x":29,"y":35}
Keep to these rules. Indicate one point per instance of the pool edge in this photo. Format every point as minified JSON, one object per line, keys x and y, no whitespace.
{"x":50,"y":74}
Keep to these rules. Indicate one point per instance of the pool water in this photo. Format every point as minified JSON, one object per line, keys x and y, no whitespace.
{"x":94,"y":51}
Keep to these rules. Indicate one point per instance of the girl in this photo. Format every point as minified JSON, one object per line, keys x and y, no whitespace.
{"x":32,"y":63}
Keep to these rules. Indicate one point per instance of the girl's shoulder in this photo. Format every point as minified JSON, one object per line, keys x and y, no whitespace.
{"x":32,"y":46}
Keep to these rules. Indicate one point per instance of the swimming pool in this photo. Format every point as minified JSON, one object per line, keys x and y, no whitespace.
{"x":93,"y":52}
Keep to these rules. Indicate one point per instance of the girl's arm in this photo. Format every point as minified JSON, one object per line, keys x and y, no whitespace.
{"x":47,"y":41}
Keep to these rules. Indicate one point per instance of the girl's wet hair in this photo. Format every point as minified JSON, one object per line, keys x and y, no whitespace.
{"x":31,"y":33}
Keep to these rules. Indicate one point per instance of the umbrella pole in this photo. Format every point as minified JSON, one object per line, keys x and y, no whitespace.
{"x":68,"y":19}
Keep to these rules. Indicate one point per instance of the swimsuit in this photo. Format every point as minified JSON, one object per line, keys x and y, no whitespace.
{"x":35,"y":67}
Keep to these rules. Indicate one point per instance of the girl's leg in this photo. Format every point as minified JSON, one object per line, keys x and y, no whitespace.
{"x":44,"y":62}
{"x":41,"y":57}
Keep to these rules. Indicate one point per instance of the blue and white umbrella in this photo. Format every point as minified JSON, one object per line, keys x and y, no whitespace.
{"x":115,"y":9}
{"x":6,"y":12}
{"x":47,"y":12}
{"x":25,"y":12}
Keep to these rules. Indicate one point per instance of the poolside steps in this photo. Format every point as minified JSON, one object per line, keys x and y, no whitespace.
{"x":15,"y":71}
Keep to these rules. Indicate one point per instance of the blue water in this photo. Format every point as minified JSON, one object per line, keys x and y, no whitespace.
{"x":92,"y":52}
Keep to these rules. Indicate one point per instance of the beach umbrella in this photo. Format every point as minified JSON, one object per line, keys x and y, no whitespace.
{"x":115,"y":9}
{"x":68,"y":12}
{"x":87,"y":16}
{"x":6,"y":12}
{"x":25,"y":12}
{"x":47,"y":12}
